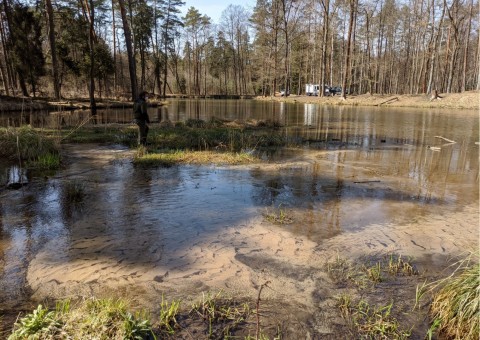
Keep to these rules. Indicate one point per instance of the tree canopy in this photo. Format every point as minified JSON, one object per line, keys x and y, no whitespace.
{"x":112,"y":48}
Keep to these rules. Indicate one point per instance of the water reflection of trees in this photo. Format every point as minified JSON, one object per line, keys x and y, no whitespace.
{"x":398,"y":148}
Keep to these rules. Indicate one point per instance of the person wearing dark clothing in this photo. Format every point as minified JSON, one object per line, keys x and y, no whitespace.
{"x":141,"y":117}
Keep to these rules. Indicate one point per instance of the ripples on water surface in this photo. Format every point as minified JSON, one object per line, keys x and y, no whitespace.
{"x":362,"y":166}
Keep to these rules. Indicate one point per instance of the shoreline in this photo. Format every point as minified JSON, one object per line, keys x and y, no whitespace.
{"x":469,"y":100}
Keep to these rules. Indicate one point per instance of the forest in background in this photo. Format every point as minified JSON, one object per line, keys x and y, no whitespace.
{"x":111,"y":49}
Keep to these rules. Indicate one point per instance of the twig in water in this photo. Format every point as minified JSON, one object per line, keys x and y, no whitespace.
{"x":445,"y":139}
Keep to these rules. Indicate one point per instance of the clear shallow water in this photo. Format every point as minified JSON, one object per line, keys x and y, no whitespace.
{"x":360,"y":167}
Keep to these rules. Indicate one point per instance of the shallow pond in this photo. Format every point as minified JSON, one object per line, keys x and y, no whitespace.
{"x":190,"y":228}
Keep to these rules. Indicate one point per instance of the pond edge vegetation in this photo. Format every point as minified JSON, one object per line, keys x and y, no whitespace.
{"x":191,"y":142}
{"x":452,"y":307}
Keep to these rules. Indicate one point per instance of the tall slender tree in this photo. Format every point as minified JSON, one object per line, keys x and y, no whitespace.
{"x":53,"y":48}
{"x":169,"y":27}
{"x":128,"y":44}
{"x":346,"y":74}
{"x":25,"y":42}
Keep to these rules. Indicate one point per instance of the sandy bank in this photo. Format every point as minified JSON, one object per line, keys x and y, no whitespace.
{"x":466,"y":100}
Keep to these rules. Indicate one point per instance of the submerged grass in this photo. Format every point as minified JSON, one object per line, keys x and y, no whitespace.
{"x":278,"y":216}
{"x":74,"y":191}
{"x":221,"y":314}
{"x":377,"y":322}
{"x":370,"y":281}
{"x":365,"y":275}
{"x":370,"y":322}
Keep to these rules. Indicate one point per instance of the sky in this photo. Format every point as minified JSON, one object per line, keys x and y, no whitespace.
{"x":214,"y":8}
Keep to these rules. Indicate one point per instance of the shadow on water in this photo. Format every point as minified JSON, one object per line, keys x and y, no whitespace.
{"x":361,"y":168}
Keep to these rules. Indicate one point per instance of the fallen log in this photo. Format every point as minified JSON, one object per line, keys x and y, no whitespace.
{"x":435,"y":95}
{"x":388,"y":101}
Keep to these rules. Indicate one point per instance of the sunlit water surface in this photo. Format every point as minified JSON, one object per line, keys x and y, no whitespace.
{"x":361,"y":166}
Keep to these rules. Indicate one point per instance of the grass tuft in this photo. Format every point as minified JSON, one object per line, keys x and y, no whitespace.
{"x":48,"y":161}
{"x":371,"y":322}
{"x":456,"y":306}
{"x":74,"y":191}
{"x":41,"y":323}
{"x":221,"y":314}
{"x":374,"y":273}
{"x":171,"y":158}
{"x":25,"y":143}
{"x":400,"y":266}
{"x":278,"y":216}
{"x":91,"y":319}
{"x":168,"y":313}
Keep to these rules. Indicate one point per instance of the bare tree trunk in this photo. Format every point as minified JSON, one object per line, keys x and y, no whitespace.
{"x":465,"y":53}
{"x":89,"y":12}
{"x":326,"y":23}
{"x":353,"y":4}
{"x":368,"y":61}
{"x":477,"y":63}
{"x":436,"y":41}
{"x":21,"y":80}
{"x":455,"y":22}
{"x":114,"y":29}
{"x":128,"y":43}
{"x":165,"y":46}
{"x":6,"y":78}
{"x":51,"y":38}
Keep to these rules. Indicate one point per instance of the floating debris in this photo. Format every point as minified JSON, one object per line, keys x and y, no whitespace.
{"x":446,"y":139}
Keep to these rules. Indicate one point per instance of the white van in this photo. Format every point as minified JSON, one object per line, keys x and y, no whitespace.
{"x":314,"y":90}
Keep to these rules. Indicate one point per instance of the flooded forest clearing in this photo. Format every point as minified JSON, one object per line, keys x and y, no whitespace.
{"x":305,"y":226}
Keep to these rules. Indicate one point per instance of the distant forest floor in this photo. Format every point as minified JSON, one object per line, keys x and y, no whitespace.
{"x":464,"y":100}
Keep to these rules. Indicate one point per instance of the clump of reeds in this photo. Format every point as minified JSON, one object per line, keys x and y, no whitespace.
{"x":456,"y":306}
{"x":49,"y":161}
{"x":25,"y":143}
{"x":74,"y":191}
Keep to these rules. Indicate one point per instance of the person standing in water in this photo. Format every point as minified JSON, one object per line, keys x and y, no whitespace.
{"x":141,"y":117}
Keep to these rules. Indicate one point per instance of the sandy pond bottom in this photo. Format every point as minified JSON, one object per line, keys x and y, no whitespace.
{"x":178,"y":232}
